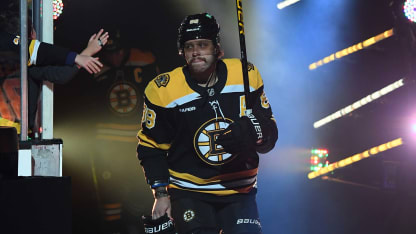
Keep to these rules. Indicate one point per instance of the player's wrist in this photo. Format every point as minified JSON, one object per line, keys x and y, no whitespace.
{"x":160,"y":192}
{"x":87,"y":52}
{"x":158,"y":183}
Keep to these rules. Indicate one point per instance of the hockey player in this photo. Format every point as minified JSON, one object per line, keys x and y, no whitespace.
{"x":197,"y":148}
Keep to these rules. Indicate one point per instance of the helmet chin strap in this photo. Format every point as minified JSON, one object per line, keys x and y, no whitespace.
{"x":212,"y":77}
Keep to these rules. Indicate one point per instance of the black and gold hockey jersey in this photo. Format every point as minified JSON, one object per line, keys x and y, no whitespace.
{"x":181,"y":121}
{"x":120,"y":95}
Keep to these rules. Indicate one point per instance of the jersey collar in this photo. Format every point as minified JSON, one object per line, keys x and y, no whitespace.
{"x":203,"y":91}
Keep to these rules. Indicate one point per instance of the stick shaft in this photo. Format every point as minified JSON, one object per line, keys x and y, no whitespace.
{"x":243,"y":53}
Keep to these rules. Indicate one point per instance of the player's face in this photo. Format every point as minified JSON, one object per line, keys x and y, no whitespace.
{"x":200,"y":55}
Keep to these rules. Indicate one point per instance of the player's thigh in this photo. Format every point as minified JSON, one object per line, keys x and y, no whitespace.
{"x":194,"y":216}
{"x":240,"y":217}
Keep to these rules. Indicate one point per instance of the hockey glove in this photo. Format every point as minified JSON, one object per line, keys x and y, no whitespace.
{"x":242,"y":135}
{"x":161,"y":225}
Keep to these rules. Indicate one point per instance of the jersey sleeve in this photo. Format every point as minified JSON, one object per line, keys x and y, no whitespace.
{"x":41,"y":53}
{"x":54,"y":74}
{"x":155,"y":139}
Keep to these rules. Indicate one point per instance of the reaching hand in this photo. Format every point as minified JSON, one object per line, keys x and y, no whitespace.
{"x":96,"y":43}
{"x":92,"y":65}
{"x":161,"y":206}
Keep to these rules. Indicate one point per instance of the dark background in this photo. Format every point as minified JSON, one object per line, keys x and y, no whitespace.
{"x":282,"y":44}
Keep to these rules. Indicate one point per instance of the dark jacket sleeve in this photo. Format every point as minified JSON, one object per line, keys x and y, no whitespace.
{"x":41,"y":53}
{"x":54,"y":74}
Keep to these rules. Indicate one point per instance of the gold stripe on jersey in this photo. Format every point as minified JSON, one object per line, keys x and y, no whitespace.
{"x":117,"y":132}
{"x":215,"y":179}
{"x":233,"y":185}
{"x":150,"y":143}
{"x":227,"y":184}
{"x":235,"y":74}
{"x":33,"y":52}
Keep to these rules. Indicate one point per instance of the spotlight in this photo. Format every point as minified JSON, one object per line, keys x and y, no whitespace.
{"x":409,"y":9}
{"x":316,"y":171}
{"x":58,"y":6}
{"x":286,"y":3}
{"x":318,"y":159}
{"x":369,"y":98}
{"x":414,"y":127}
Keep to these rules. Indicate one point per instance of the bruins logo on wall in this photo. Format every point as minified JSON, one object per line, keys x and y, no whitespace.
{"x":204,"y":142}
{"x":162,"y":80}
{"x":122,"y":98}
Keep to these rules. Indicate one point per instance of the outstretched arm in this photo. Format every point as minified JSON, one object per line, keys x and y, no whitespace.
{"x":96,"y":43}
{"x":92,"y":65}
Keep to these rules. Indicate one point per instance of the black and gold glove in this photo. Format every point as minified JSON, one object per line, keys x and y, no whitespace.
{"x":241,"y":135}
{"x":251,"y":132}
{"x":161,"y":225}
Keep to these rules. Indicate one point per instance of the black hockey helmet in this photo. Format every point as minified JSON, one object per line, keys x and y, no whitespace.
{"x":198,"y":26}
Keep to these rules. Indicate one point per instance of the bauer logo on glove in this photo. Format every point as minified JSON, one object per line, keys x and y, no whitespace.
{"x":162,"y":225}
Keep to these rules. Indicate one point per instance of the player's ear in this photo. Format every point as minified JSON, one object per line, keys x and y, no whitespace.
{"x":219,"y":51}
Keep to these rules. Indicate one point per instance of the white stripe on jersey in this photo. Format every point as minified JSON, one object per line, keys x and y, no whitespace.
{"x":194,"y":96}
{"x":33,"y":58}
{"x":184,"y":99}
{"x":222,"y":186}
{"x":235,"y":88}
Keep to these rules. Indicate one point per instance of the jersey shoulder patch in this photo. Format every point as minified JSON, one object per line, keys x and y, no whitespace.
{"x":162,"y":80}
{"x":167,"y":87}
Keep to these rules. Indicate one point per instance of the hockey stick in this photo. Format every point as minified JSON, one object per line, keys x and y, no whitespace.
{"x":243,"y":55}
{"x":249,"y":105}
